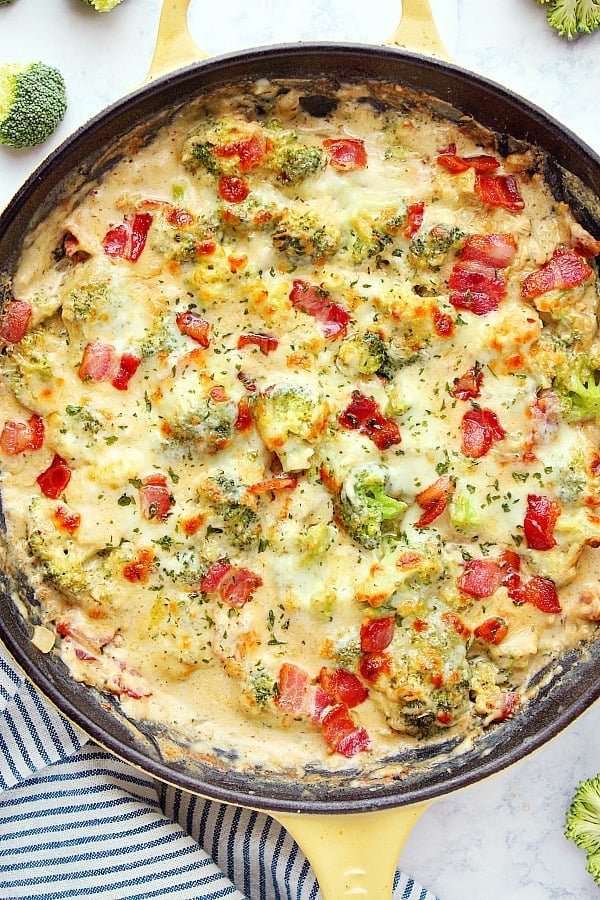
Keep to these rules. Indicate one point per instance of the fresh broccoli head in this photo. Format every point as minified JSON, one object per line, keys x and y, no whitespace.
{"x":578,"y":386}
{"x":571,"y":17}
{"x":33,"y":101}
{"x":102,"y":5}
{"x":236,"y":517}
{"x":582,"y":823}
{"x":365,"y":509}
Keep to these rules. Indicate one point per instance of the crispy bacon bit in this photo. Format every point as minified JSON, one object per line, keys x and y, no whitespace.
{"x":127,"y":240}
{"x":193,"y":325}
{"x":565,"y":269}
{"x":539,"y":591}
{"x":346,"y":154}
{"x":266,"y":343}
{"x":433,"y":500}
{"x":54,"y":480}
{"x":480,"y":428}
{"x":249,"y":151}
{"x":448,"y":159}
{"x":582,"y":241}
{"x":178,"y":217}
{"x":155,"y":498}
{"x":281,"y":482}
{"x":15,"y":321}
{"x":235,"y":585}
{"x":468,"y":385}
{"x":363,"y":414}
{"x":292,"y":686}
{"x":218,"y":394}
{"x":374,"y":664}
{"x":499,"y":190}
{"x":98,"y":362}
{"x":343,"y":687}
{"x":140,"y":568}
{"x":244,"y":420}
{"x":66,"y":519}
{"x":414,"y":219}
{"x":492,"y":631}
{"x":494,"y":250}
{"x":128,"y":366}
{"x":233,"y":189}
{"x":342,"y":734}
{"x":316,"y":302}
{"x":540,"y":518}
{"x":482,"y":577}
{"x":17,"y":437}
{"x":377,"y":634}
{"x":476,"y":282}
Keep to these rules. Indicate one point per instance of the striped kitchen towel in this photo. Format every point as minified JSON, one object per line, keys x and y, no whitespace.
{"x":76,"y":822}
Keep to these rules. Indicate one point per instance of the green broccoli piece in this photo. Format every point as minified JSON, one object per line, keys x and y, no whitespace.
{"x":237,"y":518}
{"x":263,"y":686}
{"x":365,"y":509}
{"x":33,"y":101}
{"x":289,"y":418}
{"x":578,"y":386}
{"x":582,"y":823}
{"x":293,"y":162}
{"x":303,"y":234}
{"x":430,"y":251}
{"x":571,"y":17}
{"x":102,"y":5}
{"x":364,"y":354}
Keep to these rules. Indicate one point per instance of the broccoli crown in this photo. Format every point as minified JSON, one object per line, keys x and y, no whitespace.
{"x":263,"y":686}
{"x":364,"y":354}
{"x":238,"y":519}
{"x":571,"y":17}
{"x":33,"y":101}
{"x":102,"y":5}
{"x":294,"y":162}
{"x":582,"y":823}
{"x":366,"y":511}
{"x":430,"y":251}
{"x":579,"y":390}
{"x":304,"y":234}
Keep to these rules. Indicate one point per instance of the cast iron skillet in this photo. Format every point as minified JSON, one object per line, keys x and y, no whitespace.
{"x":418,"y":777}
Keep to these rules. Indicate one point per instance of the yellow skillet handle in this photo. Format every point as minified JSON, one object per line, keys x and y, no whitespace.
{"x":353,"y":855}
{"x":174,"y":46}
{"x":417,"y":30}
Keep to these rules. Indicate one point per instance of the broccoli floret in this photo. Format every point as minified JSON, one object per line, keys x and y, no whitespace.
{"x":364,"y":354}
{"x":365,"y":509}
{"x":289,"y":418}
{"x":429,"y":251}
{"x":465,"y":513}
{"x":62,"y":560}
{"x":161,"y":337}
{"x":293,"y":162}
{"x":191,"y":416}
{"x":102,"y":5}
{"x":33,"y":101}
{"x":262,"y":685}
{"x":582,"y":823}
{"x":578,"y":386}
{"x":571,"y":17}
{"x":228,"y":499}
{"x":305,"y":235}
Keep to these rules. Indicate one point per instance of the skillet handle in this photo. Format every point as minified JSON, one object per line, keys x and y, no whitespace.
{"x":353,"y":855}
{"x":174,"y":47}
{"x":417,"y":30}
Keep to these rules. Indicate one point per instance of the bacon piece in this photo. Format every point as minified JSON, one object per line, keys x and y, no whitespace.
{"x":177,"y":216}
{"x":214,"y":576}
{"x":99,"y":362}
{"x":266,"y":343}
{"x":194,"y":325}
{"x":433,"y":500}
{"x":244,"y":420}
{"x":449,"y":160}
{"x":499,"y":190}
{"x":494,"y":250}
{"x":155,"y":498}
{"x":292,"y":686}
{"x":233,"y":189}
{"x":316,"y":302}
{"x":377,"y":634}
{"x":363,"y":414}
{"x":54,"y":480}
{"x":582,"y":241}
{"x":249,"y":151}
{"x":127,"y":240}
{"x":478,"y":289}
{"x":346,"y":154}
{"x":414,"y":219}
{"x":234,"y":584}
{"x":480,"y":428}
{"x":468,"y":385}
{"x":281,"y":482}
{"x":482,"y":577}
{"x":492,"y":630}
{"x":540,"y":518}
{"x":374,"y":664}
{"x":17,"y":437}
{"x":128,"y":366}
{"x":343,"y":686}
{"x":539,"y":591}
{"x":565,"y":269}
{"x":139,"y":569}
{"x":342,"y":734}
{"x":15,"y":321}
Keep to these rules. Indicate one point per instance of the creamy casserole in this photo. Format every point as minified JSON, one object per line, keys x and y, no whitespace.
{"x":299,"y":433}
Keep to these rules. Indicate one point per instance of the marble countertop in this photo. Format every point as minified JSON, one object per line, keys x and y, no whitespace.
{"x":500,"y":839}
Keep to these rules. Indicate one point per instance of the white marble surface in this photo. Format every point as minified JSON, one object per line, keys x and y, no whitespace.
{"x":500,"y":839}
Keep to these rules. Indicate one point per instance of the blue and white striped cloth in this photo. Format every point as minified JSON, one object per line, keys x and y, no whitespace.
{"x":76,"y":822}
